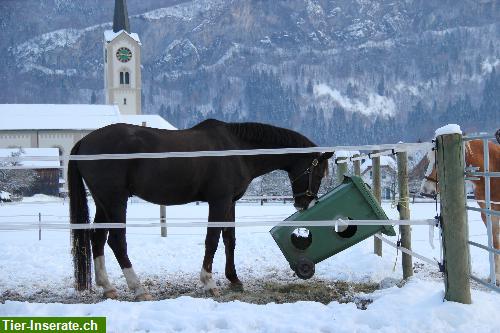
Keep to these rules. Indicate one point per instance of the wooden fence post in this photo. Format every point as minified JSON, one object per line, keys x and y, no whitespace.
{"x":357,"y":166}
{"x":163,"y":220}
{"x":404,"y":212}
{"x":376,"y":187}
{"x":39,"y":226}
{"x":450,"y":162}
{"x":341,"y":169}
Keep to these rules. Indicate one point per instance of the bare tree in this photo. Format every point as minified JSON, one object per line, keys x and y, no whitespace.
{"x":16,"y":181}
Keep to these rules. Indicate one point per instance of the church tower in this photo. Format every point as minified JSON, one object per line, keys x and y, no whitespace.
{"x":122,"y":63}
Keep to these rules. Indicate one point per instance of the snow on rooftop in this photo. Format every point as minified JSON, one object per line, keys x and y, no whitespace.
{"x":346,"y":153}
{"x":150,"y":120}
{"x":32,"y":152}
{"x":449,"y":129}
{"x":109,"y":35}
{"x":70,"y":117}
{"x":384,"y":161}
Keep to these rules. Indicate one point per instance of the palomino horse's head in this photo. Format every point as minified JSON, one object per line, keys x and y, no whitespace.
{"x":429,"y":186}
{"x":306,"y":177}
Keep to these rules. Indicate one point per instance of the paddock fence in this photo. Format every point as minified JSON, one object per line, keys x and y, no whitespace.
{"x":453,"y":282}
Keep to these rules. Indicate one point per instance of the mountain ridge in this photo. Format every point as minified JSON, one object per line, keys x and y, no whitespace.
{"x":211,"y":59}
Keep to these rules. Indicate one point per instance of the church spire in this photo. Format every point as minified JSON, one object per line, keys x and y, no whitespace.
{"x":120,"y":18}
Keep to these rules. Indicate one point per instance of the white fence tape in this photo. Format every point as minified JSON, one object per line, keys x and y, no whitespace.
{"x":398,"y":147}
{"x":198,"y":224}
{"x":405,"y":250}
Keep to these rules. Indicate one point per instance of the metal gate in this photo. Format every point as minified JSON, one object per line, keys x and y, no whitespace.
{"x":472,"y":173}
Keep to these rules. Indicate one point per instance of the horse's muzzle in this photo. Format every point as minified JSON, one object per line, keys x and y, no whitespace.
{"x":311,"y":203}
{"x":427,"y":195}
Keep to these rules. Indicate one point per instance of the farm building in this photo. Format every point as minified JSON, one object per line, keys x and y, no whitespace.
{"x":62,"y":125}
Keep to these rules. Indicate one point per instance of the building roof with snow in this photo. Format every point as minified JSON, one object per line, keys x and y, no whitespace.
{"x":33,"y":152}
{"x":70,"y":117}
{"x":109,"y":35}
{"x":384,"y":161}
{"x":346,"y":153}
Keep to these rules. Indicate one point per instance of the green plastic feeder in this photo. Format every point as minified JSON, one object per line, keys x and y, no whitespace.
{"x":304,"y":247}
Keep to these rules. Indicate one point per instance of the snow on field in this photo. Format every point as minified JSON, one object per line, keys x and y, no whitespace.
{"x":31,"y":269}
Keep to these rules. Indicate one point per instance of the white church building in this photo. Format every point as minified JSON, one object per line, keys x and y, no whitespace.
{"x":62,"y":125}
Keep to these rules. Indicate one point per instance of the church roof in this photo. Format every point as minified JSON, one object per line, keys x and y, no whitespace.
{"x":109,"y":35}
{"x":120,"y":17}
{"x":70,"y":117}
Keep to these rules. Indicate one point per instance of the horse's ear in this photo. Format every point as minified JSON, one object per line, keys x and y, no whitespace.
{"x":326,"y":156}
{"x":497,"y":135}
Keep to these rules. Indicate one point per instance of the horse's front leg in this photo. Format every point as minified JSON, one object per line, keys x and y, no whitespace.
{"x":495,"y":222}
{"x":219,"y":211}
{"x":229,"y":238}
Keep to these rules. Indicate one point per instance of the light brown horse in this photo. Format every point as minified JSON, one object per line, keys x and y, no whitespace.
{"x":474,"y":157}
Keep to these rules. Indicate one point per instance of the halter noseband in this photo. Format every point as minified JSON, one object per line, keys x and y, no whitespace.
{"x":309,"y":171}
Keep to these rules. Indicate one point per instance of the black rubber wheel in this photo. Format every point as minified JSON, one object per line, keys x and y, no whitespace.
{"x":304,"y":268}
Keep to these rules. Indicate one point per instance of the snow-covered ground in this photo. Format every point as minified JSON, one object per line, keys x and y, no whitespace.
{"x":40,"y":272}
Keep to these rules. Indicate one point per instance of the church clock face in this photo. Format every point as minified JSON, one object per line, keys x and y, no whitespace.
{"x":123,"y":54}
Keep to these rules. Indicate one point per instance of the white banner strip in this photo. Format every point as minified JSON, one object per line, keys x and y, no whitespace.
{"x":237,"y":152}
{"x":22,"y":167}
{"x":329,"y":223}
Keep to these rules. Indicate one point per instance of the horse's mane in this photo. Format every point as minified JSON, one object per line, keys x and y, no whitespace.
{"x":269,"y":135}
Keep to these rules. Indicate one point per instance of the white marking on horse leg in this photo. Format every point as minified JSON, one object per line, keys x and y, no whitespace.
{"x":101,"y":277}
{"x":135,"y":285}
{"x":208,"y":282}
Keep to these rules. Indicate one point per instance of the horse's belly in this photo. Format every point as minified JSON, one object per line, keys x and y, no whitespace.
{"x":163,"y":194}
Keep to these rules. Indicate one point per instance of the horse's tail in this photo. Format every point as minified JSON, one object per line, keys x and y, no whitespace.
{"x":79,"y":214}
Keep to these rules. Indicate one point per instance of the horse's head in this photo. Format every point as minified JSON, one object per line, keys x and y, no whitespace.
{"x":306,"y":176}
{"x":429,"y":186}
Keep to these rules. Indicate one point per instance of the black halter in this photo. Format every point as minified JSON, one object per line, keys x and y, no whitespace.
{"x":308,"y":171}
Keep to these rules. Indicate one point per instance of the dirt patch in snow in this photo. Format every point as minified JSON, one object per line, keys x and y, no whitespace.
{"x":258,"y":291}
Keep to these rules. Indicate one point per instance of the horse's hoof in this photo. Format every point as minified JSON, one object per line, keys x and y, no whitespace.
{"x":144,"y":297}
{"x":214,"y":292}
{"x":111,"y":294}
{"x":236,"y":286}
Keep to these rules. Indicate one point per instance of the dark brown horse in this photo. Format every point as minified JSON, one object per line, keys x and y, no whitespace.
{"x":474,"y":157}
{"x":220,"y":181}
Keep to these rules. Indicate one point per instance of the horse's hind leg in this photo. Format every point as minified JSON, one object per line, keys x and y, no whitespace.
{"x":229,"y":238}
{"x":118,"y":243}
{"x":98,"y":241}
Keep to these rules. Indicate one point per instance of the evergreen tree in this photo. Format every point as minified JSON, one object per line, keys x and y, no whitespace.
{"x":381,"y":86}
{"x":489,"y":111}
{"x":310,"y":88}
